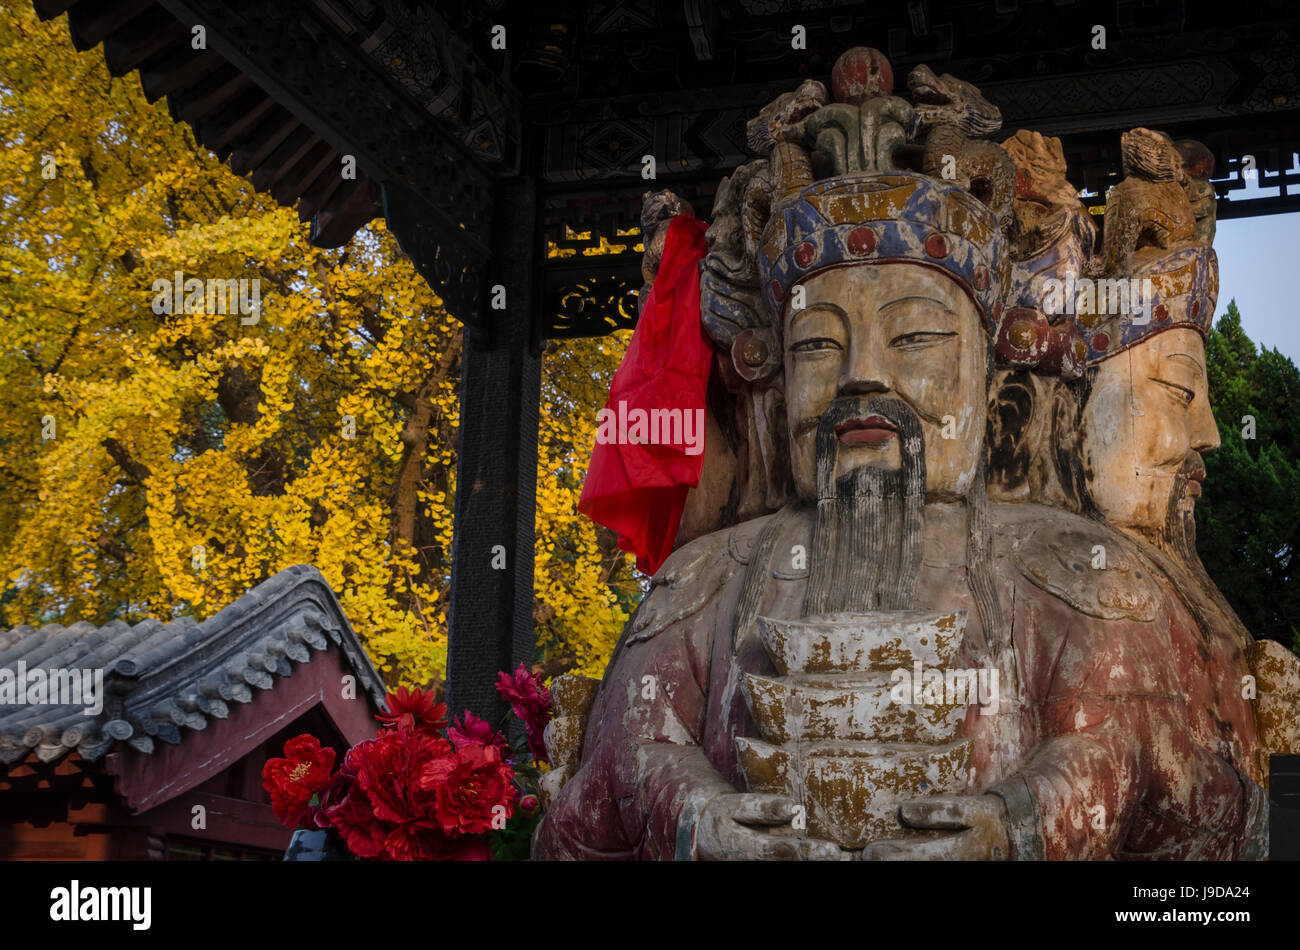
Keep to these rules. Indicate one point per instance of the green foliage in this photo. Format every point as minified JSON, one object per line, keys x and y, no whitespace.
{"x":1248,"y":522}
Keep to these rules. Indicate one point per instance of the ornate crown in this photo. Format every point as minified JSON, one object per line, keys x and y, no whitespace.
{"x":1053,"y":240}
{"x":880,"y":218}
{"x":875,"y":178}
{"x":868,"y":178}
{"x":1184,"y":291}
{"x":1159,"y":227}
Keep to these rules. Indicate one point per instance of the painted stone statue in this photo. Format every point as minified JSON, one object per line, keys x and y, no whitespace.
{"x":1145,"y":424}
{"x":861,"y":656}
{"x":1125,"y":443}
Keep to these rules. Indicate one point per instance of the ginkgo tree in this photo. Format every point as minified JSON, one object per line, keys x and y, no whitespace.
{"x":162,"y":464}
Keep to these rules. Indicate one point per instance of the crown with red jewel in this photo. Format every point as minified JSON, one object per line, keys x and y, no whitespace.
{"x":867,"y":177}
{"x":883,"y":217}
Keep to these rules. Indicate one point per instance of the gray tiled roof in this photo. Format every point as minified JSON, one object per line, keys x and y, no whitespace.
{"x":160,"y":678}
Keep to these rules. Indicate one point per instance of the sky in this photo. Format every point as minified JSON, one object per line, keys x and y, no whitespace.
{"x":1258,"y":258}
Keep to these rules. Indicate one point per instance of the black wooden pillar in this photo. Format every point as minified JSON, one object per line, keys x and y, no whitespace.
{"x":491,"y":609}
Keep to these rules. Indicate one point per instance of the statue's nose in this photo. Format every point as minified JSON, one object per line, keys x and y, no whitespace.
{"x":1205,"y":431}
{"x":864,"y":373}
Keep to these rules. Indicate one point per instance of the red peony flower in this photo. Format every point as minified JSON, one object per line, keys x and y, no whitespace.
{"x":531,"y":702}
{"x":471,"y":730}
{"x":414,"y":710}
{"x":386,"y":803}
{"x":354,"y":819}
{"x":473,"y":787}
{"x":331,"y":796}
{"x":426,"y":841}
{"x":292,"y":781}
{"x":392,"y":771}
{"x":411,"y":795}
{"x":529,"y":805}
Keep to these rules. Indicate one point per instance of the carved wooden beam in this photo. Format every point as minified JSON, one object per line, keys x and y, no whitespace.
{"x":437,"y":190}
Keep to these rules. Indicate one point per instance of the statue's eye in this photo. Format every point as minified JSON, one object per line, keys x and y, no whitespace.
{"x":911,"y":341}
{"x":813,"y":343}
{"x":1179,"y":392}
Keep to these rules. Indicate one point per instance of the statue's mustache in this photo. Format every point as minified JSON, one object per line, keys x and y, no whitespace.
{"x":1178,"y":535}
{"x":869,"y":522}
{"x":1181,"y":504}
{"x":1192,"y":464}
{"x":848,"y":407}
{"x":842,"y":409}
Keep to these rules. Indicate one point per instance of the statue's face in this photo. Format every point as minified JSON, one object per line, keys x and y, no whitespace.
{"x":902,"y":330}
{"x":1147,"y":418}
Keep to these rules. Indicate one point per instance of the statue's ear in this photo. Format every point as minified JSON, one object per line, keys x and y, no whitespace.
{"x":710,"y":503}
{"x":755,"y":354}
{"x":780,"y":478}
{"x":765,"y":461}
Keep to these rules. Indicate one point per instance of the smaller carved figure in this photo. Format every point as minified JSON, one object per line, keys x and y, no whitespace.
{"x":1148,"y":212}
{"x":1198,"y":162}
{"x":657,"y":209}
{"x":952,"y":118}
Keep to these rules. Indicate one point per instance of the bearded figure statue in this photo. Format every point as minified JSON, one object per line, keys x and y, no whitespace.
{"x":1145,"y":423}
{"x":861,"y":656}
{"x":1124,"y":445}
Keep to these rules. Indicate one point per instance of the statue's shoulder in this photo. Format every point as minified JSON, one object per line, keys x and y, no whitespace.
{"x":1088,"y":564}
{"x":692,"y":576}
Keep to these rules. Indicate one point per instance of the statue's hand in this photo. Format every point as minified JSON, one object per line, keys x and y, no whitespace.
{"x":980,"y":821}
{"x":724,"y":832}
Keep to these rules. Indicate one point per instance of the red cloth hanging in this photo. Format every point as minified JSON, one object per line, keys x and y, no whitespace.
{"x":639,"y":490}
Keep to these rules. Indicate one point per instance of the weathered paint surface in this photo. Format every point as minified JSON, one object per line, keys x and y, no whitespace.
{"x":852,"y":790}
{"x":1277,"y":705}
{"x":1123,"y":728}
{"x":852,"y":706}
{"x":880,"y":752}
{"x":862,"y":642}
{"x":1101,"y":751}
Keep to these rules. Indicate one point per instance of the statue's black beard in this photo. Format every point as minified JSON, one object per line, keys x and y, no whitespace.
{"x":1172,"y":547}
{"x":870,"y":525}
{"x":1177,"y":542}
{"x":869,"y":534}
{"x":1178,"y":536}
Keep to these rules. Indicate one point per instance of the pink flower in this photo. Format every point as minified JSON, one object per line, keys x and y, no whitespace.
{"x":531,"y":702}
{"x":471,"y":730}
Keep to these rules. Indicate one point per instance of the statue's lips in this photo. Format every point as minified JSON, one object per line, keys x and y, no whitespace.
{"x":1194,"y":482}
{"x":873,"y":430}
